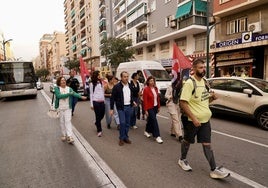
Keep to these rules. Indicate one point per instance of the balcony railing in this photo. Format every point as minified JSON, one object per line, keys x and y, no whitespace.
{"x":141,"y":38}
{"x":133,"y":4}
{"x":120,"y":31}
{"x":119,"y":15}
{"x":137,"y":21}
{"x":193,"y":20}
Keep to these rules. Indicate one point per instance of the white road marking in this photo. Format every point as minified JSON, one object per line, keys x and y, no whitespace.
{"x":233,"y":174}
{"x":104,"y":174}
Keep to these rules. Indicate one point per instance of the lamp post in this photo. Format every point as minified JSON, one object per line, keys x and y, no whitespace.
{"x":4,"y":47}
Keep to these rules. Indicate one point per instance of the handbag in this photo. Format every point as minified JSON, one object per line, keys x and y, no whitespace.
{"x":52,"y":112}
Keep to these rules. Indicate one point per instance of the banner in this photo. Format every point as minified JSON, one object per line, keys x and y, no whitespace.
{"x":83,"y":70}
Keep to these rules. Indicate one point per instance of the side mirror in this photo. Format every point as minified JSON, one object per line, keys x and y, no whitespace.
{"x":248,"y":91}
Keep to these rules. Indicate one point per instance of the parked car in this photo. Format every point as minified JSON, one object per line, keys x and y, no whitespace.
{"x":39,"y":84}
{"x":245,"y":97}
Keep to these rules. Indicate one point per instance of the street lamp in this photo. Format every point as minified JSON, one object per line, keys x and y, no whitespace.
{"x":4,"y":47}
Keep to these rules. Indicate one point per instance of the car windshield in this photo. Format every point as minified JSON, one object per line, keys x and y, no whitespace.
{"x":259,"y":83}
{"x":160,"y":75}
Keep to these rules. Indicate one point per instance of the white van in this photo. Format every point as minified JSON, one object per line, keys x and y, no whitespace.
{"x":147,"y":68}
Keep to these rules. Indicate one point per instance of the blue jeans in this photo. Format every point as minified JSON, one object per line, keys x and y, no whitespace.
{"x":74,"y":101}
{"x":152,"y":123}
{"x":107,"y":111}
{"x":124,"y":118}
{"x":134,"y":112}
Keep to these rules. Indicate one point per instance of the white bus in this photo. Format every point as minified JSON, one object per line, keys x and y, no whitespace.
{"x":17,"y":79}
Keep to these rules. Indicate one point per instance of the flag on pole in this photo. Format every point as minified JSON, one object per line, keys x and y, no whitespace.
{"x":83,"y":70}
{"x":180,"y":62}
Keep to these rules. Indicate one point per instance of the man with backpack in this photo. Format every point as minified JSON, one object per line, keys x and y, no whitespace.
{"x":196,"y":107}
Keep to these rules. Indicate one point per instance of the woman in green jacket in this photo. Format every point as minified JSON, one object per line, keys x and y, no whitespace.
{"x":63,"y":103}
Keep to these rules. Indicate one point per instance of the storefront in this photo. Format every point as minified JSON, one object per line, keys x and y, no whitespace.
{"x":239,"y":58}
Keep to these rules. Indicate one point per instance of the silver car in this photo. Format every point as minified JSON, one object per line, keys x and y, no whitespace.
{"x":245,"y":97}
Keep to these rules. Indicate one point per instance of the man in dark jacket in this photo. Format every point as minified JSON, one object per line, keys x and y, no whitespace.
{"x":73,"y":83}
{"x":122,"y":97}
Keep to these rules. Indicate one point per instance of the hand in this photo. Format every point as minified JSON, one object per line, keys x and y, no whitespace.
{"x":196,"y":123}
{"x":111,"y":112}
{"x":84,"y":98}
{"x":146,"y":113}
{"x":92,"y":108}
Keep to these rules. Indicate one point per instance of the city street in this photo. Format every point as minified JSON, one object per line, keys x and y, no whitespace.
{"x":32,"y":154}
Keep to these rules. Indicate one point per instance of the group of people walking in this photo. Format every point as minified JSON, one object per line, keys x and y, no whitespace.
{"x":120,"y":99}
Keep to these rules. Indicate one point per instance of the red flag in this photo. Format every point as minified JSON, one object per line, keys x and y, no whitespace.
{"x":178,"y":56}
{"x":83,"y":70}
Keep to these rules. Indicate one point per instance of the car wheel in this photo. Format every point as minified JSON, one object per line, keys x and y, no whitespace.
{"x":262,"y":118}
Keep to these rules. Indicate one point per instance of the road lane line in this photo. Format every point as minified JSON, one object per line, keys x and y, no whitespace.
{"x":103,"y":173}
{"x":243,"y":139}
{"x":244,"y":179}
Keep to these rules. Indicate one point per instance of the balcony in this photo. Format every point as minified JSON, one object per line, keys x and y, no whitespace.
{"x":137,"y":21}
{"x":133,"y":4}
{"x":192,"y":20}
{"x":119,"y":15}
{"x":141,"y":38}
{"x":120,"y":31}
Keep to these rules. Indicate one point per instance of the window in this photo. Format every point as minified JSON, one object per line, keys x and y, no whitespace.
{"x":153,"y":28}
{"x":167,"y":21}
{"x":151,"y":49}
{"x":164,"y":46}
{"x":237,"y":26}
{"x":139,"y":51}
{"x":166,"y":1}
{"x":200,"y":43}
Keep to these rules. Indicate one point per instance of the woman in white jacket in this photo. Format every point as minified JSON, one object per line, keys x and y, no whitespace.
{"x":174,"y":111}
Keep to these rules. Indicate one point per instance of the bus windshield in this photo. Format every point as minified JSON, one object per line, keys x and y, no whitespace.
{"x":16,"y":72}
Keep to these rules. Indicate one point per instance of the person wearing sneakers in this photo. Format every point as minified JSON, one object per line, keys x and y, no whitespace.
{"x":194,"y":101}
{"x":97,"y":100}
{"x":63,"y":102}
{"x":151,"y":104}
{"x":122,"y":98}
{"x":135,"y":87}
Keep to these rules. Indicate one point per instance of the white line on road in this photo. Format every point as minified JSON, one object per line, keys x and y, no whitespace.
{"x":103,"y":173}
{"x":233,"y":174}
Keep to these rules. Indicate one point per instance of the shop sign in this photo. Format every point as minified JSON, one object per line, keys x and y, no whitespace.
{"x":240,"y":41}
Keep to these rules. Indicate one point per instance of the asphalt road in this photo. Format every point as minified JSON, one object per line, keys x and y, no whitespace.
{"x":238,"y":145}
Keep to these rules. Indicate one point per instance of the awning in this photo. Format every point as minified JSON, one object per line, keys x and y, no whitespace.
{"x":235,"y":62}
{"x":200,"y":6}
{"x":184,"y":9}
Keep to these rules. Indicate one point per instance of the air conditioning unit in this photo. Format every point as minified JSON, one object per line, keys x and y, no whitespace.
{"x":254,"y":27}
{"x":173,"y":21}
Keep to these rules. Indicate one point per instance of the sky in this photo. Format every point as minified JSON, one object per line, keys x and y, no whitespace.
{"x":26,"y":21}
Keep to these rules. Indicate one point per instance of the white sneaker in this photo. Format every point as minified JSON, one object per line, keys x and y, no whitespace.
{"x":70,"y":140}
{"x":159,"y":140}
{"x":147,"y":134}
{"x":184,"y":165}
{"x":63,"y":138}
{"x":135,"y":127}
{"x":99,"y":134}
{"x":218,"y":173}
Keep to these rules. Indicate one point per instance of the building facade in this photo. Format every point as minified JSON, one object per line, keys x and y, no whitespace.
{"x":241,"y":38}
{"x":82,"y":31}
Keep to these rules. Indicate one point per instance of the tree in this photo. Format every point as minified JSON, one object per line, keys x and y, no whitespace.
{"x":42,"y":73}
{"x":73,"y":64}
{"x":117,"y":50}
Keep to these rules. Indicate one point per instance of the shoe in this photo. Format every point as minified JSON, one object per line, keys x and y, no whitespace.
{"x":135,"y":127}
{"x":127,"y":141}
{"x":159,"y":140}
{"x":108,"y":126}
{"x":63,"y":138}
{"x":218,"y":173}
{"x":173,"y":135}
{"x":180,"y":139}
{"x":70,"y":140}
{"x":121,"y":143}
{"x":147,"y":134}
{"x":184,"y":165}
{"x":99,"y":134}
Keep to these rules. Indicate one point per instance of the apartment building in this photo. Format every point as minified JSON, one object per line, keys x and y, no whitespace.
{"x":45,"y":50}
{"x":5,"y":48}
{"x":154,"y":26}
{"x":82,"y":31}
{"x":241,"y":40}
